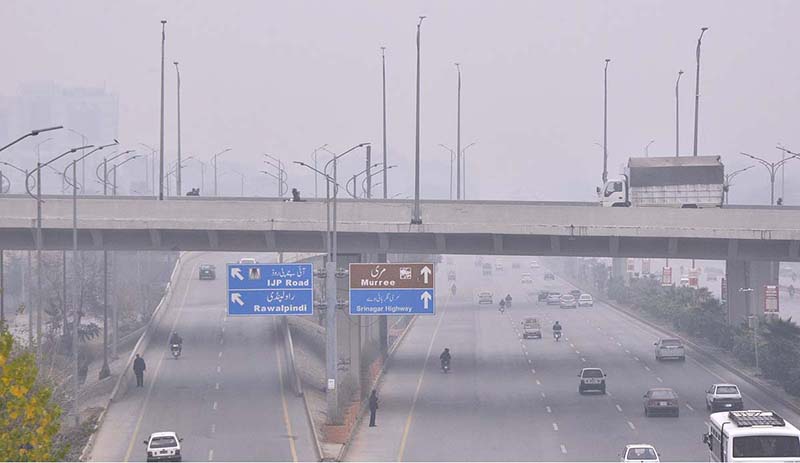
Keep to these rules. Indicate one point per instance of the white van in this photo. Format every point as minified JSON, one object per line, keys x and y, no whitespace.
{"x":751,"y":435}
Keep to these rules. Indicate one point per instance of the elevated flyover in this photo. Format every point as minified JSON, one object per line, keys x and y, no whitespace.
{"x":380,"y":226}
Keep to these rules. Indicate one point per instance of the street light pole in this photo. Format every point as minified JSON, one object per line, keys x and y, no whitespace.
{"x":316,"y":172}
{"x":772,"y":169}
{"x":697,"y":90}
{"x":161,"y":136}
{"x":178,"y":176}
{"x":452,"y":156}
{"x":677,"y":115}
{"x":464,"y":168}
{"x":32,"y":133}
{"x":458,"y":138}
{"x":214,"y":159}
{"x":605,"y":121}
{"x":383,"y":63}
{"x":416,"y":219}
{"x":647,"y":148}
{"x":726,"y":186}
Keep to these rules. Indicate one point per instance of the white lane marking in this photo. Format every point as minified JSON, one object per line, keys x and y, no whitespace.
{"x":530,"y":361}
{"x":219,"y":369}
{"x":689,"y":407}
{"x":577,"y":352}
{"x":608,"y":393}
{"x":533,"y":370}
{"x":619,"y":409}
{"x":630,"y":425}
{"x":658,"y":378}
{"x":213,"y":428}
{"x":544,"y":395}
{"x":583,"y":360}
{"x":221,"y":340}
{"x":563,"y":449}
{"x":555,"y":427}
{"x":538,"y":383}
{"x":214,"y":407}
{"x":216,"y":386}
{"x":619,"y":344}
{"x":220,"y":355}
{"x":211,"y":455}
{"x":636,"y":358}
{"x":223,"y":329}
{"x":572,"y":345}
{"x":627,"y":351}
{"x":549,"y":410}
{"x":647,"y":368}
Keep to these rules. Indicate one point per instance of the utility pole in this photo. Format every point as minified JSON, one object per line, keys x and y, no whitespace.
{"x":605,"y":122}
{"x":178,"y":176}
{"x":369,"y":173}
{"x":677,"y":115}
{"x":772,"y":169}
{"x":416,"y":219}
{"x":697,"y":90}
{"x":161,"y":142}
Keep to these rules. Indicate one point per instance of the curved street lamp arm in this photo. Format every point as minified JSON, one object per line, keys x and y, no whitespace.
{"x":761,"y":161}
{"x":27,"y":179}
{"x":32,"y":133}
{"x":337,"y":156}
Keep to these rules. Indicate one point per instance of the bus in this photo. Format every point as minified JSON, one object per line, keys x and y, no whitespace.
{"x":751,"y":435}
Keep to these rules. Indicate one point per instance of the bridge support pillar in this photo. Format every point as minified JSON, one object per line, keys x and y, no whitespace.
{"x":619,"y":268}
{"x":744,"y":275}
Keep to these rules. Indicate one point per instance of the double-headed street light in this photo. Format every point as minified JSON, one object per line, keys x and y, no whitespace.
{"x":32,"y":133}
{"x":214,"y":161}
{"x":104,"y":165}
{"x":697,"y":90}
{"x":772,"y":168}
{"x":452,"y":158}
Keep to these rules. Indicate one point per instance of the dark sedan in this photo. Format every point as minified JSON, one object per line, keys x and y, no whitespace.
{"x":208,"y":272}
{"x":661,"y":400}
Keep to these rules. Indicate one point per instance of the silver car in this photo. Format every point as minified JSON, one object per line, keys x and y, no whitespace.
{"x":670,"y":348}
{"x":568,"y":301}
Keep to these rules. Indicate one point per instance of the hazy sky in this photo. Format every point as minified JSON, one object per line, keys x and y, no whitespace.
{"x":286,"y":77}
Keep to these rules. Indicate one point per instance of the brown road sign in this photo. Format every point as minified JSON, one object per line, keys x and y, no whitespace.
{"x":401,"y":276}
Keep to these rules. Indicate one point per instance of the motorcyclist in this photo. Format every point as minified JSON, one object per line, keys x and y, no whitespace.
{"x":453,"y":289}
{"x":556,"y":329}
{"x":445,"y":357}
{"x":508,"y":299}
{"x":502,"y":304}
{"x":175,"y":339}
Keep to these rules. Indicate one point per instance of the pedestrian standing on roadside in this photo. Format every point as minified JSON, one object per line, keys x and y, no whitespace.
{"x":138,"y":369}
{"x":373,"y":407}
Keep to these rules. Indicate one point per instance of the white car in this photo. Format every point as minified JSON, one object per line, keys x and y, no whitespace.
{"x":585,"y":300}
{"x":725,"y":397}
{"x":640,"y":453}
{"x":553,"y":298}
{"x":527,"y":279}
{"x":163,"y":446}
{"x":670,"y":348}
{"x":248,"y":260}
{"x":485,"y":297}
{"x":534,"y":265}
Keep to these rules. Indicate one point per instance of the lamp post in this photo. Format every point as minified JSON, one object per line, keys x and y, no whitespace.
{"x":458,"y":137}
{"x":464,"y":168}
{"x":281,"y":174}
{"x":726,"y":186}
{"x":214,"y":160}
{"x":354,"y":179}
{"x":772,"y":169}
{"x":452,"y":157}
{"x":151,"y":172}
{"x":416,"y":219}
{"x":383,"y":65}
{"x":161,"y":133}
{"x":38,"y":156}
{"x":84,"y":141}
{"x":202,"y":173}
{"x":316,"y":174}
{"x":178,"y":176}
{"x":2,"y":252}
{"x":605,"y":121}
{"x":114,"y":173}
{"x":647,"y":148}
{"x":32,"y":133}
{"x":678,"y":114}
{"x":104,"y":165}
{"x":367,"y":192}
{"x":753,"y":319}
{"x":38,"y":197}
{"x":697,"y":90}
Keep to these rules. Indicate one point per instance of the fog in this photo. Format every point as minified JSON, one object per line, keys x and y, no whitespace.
{"x":286,"y":77}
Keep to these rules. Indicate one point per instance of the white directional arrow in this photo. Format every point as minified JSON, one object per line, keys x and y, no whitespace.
{"x":426,"y":273}
{"x":426,"y":298}
{"x":236,"y":272}
{"x":237,"y":298}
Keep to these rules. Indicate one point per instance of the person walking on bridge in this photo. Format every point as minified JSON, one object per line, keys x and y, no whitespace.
{"x":138,"y":369}
{"x":373,"y":407}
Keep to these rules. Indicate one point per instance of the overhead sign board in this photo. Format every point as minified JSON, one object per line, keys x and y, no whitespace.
{"x":392,"y":289}
{"x":666,"y":276}
{"x":270,"y":289}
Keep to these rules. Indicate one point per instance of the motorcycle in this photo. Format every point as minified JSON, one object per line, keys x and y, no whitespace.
{"x":176,"y":350}
{"x":508,"y":303}
{"x":453,"y":290}
{"x":445,"y":366}
{"x":557,"y":335}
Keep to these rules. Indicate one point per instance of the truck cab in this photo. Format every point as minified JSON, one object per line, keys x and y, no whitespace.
{"x":615,"y":193}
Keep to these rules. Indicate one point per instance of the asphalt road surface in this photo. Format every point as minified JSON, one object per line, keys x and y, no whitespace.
{"x":224,"y":395}
{"x":512,"y":399}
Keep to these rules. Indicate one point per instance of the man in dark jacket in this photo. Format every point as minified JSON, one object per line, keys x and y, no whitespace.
{"x":373,"y":407}
{"x":138,"y":370}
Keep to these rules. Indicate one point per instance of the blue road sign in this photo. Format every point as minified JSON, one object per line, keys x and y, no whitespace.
{"x":392,"y":289}
{"x":270,"y":289}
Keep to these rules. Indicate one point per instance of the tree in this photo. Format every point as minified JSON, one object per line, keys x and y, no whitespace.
{"x":29,"y":419}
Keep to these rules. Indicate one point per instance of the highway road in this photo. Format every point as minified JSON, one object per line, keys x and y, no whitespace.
{"x":512,"y":399}
{"x":224,"y":395}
